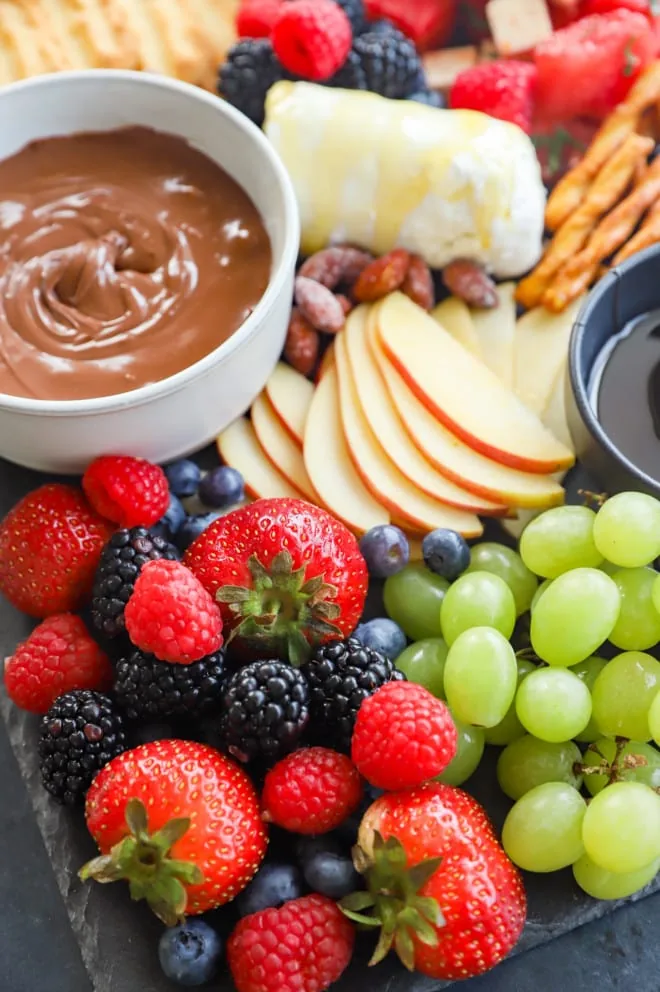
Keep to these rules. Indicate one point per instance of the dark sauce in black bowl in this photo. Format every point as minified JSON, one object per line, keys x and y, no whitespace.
{"x":624,"y":391}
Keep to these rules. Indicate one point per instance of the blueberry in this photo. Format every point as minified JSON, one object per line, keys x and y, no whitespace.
{"x":429,"y":97}
{"x":190,"y":953}
{"x":192,"y":527}
{"x":446,"y":553}
{"x":307,"y":847}
{"x":222,"y":487}
{"x":382,"y":635}
{"x":171,"y":520}
{"x":183,"y":477}
{"x":386,"y":550}
{"x":331,"y":874}
{"x":273,"y":885}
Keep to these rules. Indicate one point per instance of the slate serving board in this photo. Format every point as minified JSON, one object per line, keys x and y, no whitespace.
{"x":118,"y":938}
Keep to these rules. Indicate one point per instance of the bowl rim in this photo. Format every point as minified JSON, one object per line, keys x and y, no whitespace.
{"x":281,"y":267}
{"x":609,"y":284}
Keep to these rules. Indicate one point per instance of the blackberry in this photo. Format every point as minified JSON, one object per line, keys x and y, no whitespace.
{"x":351,"y":76}
{"x":249,"y":71}
{"x":121,"y":562}
{"x":147,"y":689}
{"x":81,"y":733}
{"x":341,"y":676}
{"x":390,"y":63}
{"x":265,"y":710}
{"x":357,"y":15}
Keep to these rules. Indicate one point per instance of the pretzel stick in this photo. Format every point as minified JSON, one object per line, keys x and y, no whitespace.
{"x":570,"y":191}
{"x":575,"y":277}
{"x":647,"y":235}
{"x":609,"y":186}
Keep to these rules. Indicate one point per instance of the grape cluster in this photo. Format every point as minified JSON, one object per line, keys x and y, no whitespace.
{"x":514,"y":644}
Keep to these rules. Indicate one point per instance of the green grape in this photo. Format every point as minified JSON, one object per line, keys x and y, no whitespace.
{"x":655,"y":593}
{"x":543,"y":831}
{"x":477,"y":599}
{"x":424,"y":662}
{"x":608,"y":567}
{"x":623,"y":693}
{"x":606,"y":749}
{"x":621,"y":829}
{"x":553,"y":704}
{"x":601,"y":884}
{"x":589,"y":671}
{"x":574,"y":616}
{"x":469,"y":753}
{"x":509,"y":566}
{"x":480,"y":676}
{"x":654,"y":719}
{"x":627,"y":529}
{"x":528,"y":762}
{"x":539,"y":592}
{"x":510,"y":728}
{"x":413,"y":598}
{"x":559,"y":540}
{"x":638,"y":626}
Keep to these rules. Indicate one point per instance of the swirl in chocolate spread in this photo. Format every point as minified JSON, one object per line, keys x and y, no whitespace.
{"x":125,"y":256}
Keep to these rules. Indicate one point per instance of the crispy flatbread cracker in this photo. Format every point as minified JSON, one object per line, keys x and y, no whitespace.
{"x":186,"y":39}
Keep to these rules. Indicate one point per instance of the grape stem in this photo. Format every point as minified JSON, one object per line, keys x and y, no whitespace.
{"x":614,"y":769}
{"x":594,"y":500}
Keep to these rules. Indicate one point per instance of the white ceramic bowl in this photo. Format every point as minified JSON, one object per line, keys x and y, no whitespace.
{"x":182,"y":413}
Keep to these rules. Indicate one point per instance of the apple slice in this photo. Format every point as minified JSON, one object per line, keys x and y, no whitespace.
{"x":279,"y":447}
{"x":451,"y":457}
{"x":454,"y":315}
{"x":540,"y":351}
{"x":381,"y":475}
{"x":238,"y":447}
{"x":329,"y":464}
{"x":290,"y":394}
{"x":327,"y":362}
{"x":496,"y":330}
{"x":384,"y":421}
{"x":465,"y":395}
{"x":554,"y":415}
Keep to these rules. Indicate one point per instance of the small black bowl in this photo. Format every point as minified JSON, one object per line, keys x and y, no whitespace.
{"x":630,"y":290}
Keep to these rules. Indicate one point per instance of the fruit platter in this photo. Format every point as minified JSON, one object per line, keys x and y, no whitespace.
{"x":330,"y":524}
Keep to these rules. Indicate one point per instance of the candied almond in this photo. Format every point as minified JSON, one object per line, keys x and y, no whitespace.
{"x":418,"y":284}
{"x":319,"y":305}
{"x":382,"y":276}
{"x":302,"y":345}
{"x":470,"y":282}
{"x":335,"y":265}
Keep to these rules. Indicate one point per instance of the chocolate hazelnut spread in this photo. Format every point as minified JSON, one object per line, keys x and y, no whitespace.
{"x":125,"y":256}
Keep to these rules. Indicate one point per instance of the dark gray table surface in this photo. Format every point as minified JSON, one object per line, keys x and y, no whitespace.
{"x":39,"y":948}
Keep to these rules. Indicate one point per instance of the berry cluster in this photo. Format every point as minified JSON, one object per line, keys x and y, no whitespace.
{"x":332,"y":42}
{"x":240,"y":694}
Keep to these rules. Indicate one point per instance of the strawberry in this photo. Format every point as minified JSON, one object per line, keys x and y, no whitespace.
{"x":597,"y":59}
{"x":453,"y":902}
{"x":286,"y":574}
{"x":50,"y":545}
{"x":180,"y":822}
{"x":429,"y":23}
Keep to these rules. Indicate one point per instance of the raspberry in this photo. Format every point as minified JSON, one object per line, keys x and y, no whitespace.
{"x":256,"y":18}
{"x":302,"y":947}
{"x":311,"y":791}
{"x":129,"y":491}
{"x":403,"y":736}
{"x":58,"y":656}
{"x":171,"y":615}
{"x":501,"y":89}
{"x":312,"y":38}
